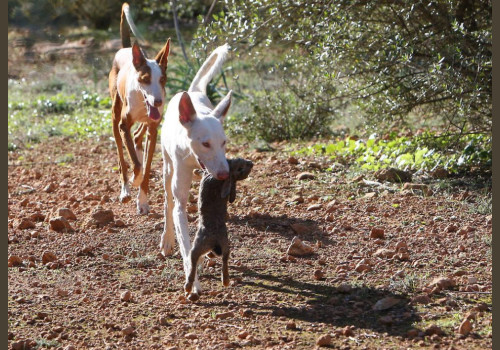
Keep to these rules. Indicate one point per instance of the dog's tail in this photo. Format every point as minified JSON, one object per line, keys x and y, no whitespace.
{"x":124,"y":28}
{"x":210,"y":67}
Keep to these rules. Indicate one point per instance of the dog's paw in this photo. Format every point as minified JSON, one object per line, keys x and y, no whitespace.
{"x":125,"y":196}
{"x":167,"y":249}
{"x":193,"y":297}
{"x":188,"y":287}
{"x":225,"y":281}
{"x":142,"y":208}
{"x":137,"y":177}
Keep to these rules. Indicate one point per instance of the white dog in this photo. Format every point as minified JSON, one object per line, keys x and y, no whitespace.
{"x":191,"y":137}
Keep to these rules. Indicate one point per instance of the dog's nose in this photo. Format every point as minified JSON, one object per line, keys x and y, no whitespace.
{"x":158,"y":103}
{"x":223,"y":175}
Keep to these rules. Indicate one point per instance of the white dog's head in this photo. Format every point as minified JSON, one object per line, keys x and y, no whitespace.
{"x":206,"y":135}
{"x":151,"y":78}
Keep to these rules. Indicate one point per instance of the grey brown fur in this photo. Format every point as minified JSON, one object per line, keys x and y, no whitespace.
{"x":212,"y":231}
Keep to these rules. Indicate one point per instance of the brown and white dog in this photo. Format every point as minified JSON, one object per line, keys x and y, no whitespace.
{"x":137,"y":88}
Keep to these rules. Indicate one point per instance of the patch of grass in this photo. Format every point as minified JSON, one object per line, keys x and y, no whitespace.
{"x":142,"y":261}
{"x":44,"y":343}
{"x":483,"y":206}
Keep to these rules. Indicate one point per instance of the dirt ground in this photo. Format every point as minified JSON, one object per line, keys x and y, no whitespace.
{"x":390,"y":268}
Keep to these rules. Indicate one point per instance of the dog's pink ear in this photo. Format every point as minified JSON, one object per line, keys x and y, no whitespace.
{"x":162,"y":56}
{"x":187,"y":113}
{"x":221,"y":109}
{"x":138,"y":58}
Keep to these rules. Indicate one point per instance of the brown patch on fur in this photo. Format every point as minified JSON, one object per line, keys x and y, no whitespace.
{"x":144,"y":74}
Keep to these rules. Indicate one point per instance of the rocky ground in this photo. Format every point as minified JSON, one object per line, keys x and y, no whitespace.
{"x":373,"y":265}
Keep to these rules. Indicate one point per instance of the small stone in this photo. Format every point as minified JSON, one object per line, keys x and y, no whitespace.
{"x":243,"y":335}
{"x":101,"y":217}
{"x":393,"y":175}
{"x":347,"y":331}
{"x":49,"y":188}
{"x":162,"y":320}
{"x":443,"y":283}
{"x":362,"y":267}
{"x":314,"y":207}
{"x":434,"y":329}
{"x":24,"y":202}
{"x":246,"y":313}
{"x":119,"y":223}
{"x":128,"y":331}
{"x":14,"y":260}
{"x":66,"y":213}
{"x":301,"y":229}
{"x":291,"y":325}
{"x":324,"y":340}
{"x":344,"y":288}
{"x":370,"y":195}
{"x":298,"y":199}
{"x":293,"y":161}
{"x":191,"y":336}
{"x":318,"y":274}
{"x":26,"y":223}
{"x":126,"y":296}
{"x":299,"y":248}
{"x":306,"y":176}
{"x":385,"y":303}
{"x":377,"y":232}
{"x":60,"y":224}
{"x":421,"y":299}
{"x":69,"y":347}
{"x":48,"y":257}
{"x":384,"y":253}
{"x":224,"y":315}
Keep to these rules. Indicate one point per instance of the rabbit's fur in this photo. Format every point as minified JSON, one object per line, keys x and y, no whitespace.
{"x":212,"y":231}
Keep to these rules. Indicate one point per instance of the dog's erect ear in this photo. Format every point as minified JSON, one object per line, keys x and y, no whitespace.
{"x":162,"y":56}
{"x":138,"y":58}
{"x":221,"y":109}
{"x":187,"y":113}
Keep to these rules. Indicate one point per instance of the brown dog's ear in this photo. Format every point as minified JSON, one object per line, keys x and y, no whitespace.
{"x":162,"y":56}
{"x":138,"y":58}
{"x":187,"y":112}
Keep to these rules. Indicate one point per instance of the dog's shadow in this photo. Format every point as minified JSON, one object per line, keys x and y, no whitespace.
{"x":326,"y":304}
{"x":285,"y":226}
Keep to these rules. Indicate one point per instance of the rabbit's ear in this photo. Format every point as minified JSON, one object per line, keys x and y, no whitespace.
{"x":227,"y":187}
{"x":232,"y":194}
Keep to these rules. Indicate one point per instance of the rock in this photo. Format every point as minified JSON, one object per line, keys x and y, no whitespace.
{"x":26,"y":223}
{"x":60,"y":224}
{"x":384,"y":253}
{"x":465,"y":327}
{"x":370,"y":195}
{"x":439,"y":173}
{"x":90,"y":196}
{"x":246,"y":313}
{"x":433,"y":329}
{"x":162,"y":320}
{"x":49,"y":188}
{"x":128,"y":331}
{"x":291,"y":325}
{"x":377,"y":232}
{"x":362,"y":266}
{"x":66,"y":213}
{"x":324,"y":340}
{"x":412,"y":333}
{"x":224,"y":315}
{"x":442,"y":283}
{"x":347,"y":331}
{"x":314,"y":207}
{"x":421,"y":299}
{"x":393,"y":175}
{"x":48,"y":257}
{"x":422,"y":187}
{"x":100,"y":217}
{"x":69,"y":347}
{"x":126,"y":296}
{"x":14,"y":260}
{"x":306,"y":176}
{"x":293,"y":160}
{"x":297,"y":199}
{"x":318,"y":274}
{"x":385,"y":303}
{"x":299,"y":248}
{"x":191,"y":336}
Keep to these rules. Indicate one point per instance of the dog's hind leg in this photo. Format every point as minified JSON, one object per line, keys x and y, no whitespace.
{"x":225,"y":268}
{"x":138,"y":137}
{"x":168,"y":236}
{"x":194,"y":256}
{"x":142,"y":199}
{"x":116,"y":112}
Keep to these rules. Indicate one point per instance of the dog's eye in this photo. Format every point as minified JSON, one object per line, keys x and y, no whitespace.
{"x":206,"y":144}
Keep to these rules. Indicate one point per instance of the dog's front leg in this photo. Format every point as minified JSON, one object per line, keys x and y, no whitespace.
{"x":181,"y":183}
{"x":125,"y":125}
{"x":116,"y":113}
{"x":142,"y":198}
{"x":167,"y":237}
